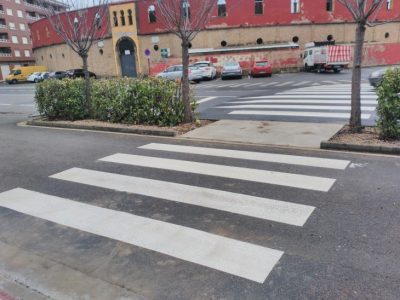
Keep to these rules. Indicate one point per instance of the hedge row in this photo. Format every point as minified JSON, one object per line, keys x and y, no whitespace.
{"x":150,"y":101}
{"x":389,"y":104}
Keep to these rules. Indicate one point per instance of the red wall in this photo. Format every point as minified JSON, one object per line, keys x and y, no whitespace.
{"x":240,"y":13}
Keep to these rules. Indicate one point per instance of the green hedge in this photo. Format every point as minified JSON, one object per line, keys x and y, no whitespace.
{"x":150,"y":101}
{"x":389,"y":104}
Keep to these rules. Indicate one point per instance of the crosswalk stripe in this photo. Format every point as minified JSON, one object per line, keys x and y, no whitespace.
{"x":291,"y":92}
{"x":250,"y":155}
{"x":311,"y":97}
{"x":270,"y":83}
{"x":297,"y":114}
{"x":284,"y":83}
{"x":240,"y":173}
{"x":235,"y":257}
{"x":254,"y":84}
{"x":304,"y":107}
{"x":206,"y":99}
{"x":298,"y":101}
{"x":301,"y":83}
{"x":257,"y":207}
{"x":236,"y":85}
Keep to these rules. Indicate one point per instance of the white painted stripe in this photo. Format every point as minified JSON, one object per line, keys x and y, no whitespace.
{"x":254,"y":84}
{"x":330,"y":82}
{"x":315,"y":83}
{"x":206,"y":99}
{"x":249,"y":155}
{"x":236,"y":85}
{"x":270,"y":83}
{"x":371,"y":102}
{"x":284,"y":83}
{"x":238,"y":258}
{"x":319,"y":92}
{"x":297,"y":114}
{"x":5,"y":104}
{"x":304,"y":107}
{"x":255,"y":175}
{"x":257,"y":207}
{"x":301,"y":83}
{"x":310,"y":97}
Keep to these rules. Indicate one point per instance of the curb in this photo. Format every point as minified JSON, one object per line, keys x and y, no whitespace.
{"x":360,"y":148}
{"x":143,"y":131}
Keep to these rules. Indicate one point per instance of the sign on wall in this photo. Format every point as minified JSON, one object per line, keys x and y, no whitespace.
{"x":165,"y":52}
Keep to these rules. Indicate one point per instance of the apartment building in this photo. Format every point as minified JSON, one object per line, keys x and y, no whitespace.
{"x":15,"y":36}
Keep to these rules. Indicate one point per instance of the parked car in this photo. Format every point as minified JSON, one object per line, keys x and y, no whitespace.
{"x":175,"y":72}
{"x":57,"y":75}
{"x":43,"y":76}
{"x":231,"y":69}
{"x":376,"y":77}
{"x":20,"y":74}
{"x":78,"y":73}
{"x":34,"y":77}
{"x":261,"y":68}
{"x":207,"y":68}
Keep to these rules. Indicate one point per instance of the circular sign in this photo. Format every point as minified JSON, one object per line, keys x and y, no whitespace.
{"x":147,"y":52}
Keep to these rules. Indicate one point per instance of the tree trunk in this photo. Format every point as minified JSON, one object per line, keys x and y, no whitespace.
{"x":185,"y":82}
{"x":355,"y":118}
{"x":87,"y":84}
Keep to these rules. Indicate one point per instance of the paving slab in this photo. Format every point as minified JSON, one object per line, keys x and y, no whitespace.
{"x":294,"y":134}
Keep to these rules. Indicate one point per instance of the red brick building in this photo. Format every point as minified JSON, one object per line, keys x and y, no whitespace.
{"x":15,"y":37}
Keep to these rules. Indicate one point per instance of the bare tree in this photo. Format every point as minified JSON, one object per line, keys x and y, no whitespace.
{"x":79,"y":27}
{"x":364,"y":13}
{"x":185,"y":22}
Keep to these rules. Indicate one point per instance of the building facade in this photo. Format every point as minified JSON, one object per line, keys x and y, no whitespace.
{"x":240,"y":30}
{"x":15,"y":36}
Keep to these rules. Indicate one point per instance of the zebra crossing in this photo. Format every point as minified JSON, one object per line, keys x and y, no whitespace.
{"x":250,"y":84}
{"x":327,"y":103}
{"x":232,"y":256}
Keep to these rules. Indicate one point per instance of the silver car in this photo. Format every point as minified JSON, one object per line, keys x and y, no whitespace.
{"x":175,"y":72}
{"x":375,"y":77}
{"x":231,"y":69}
{"x":207,"y":68}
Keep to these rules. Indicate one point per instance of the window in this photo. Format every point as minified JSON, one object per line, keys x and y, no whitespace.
{"x":152,"y":14}
{"x":18,"y":1}
{"x":295,"y":6}
{"x":115,"y":18}
{"x":27,"y":53}
{"x":186,"y":9}
{"x":389,"y":4}
{"x":14,"y":39}
{"x":122,"y":18}
{"x":130,"y":18}
{"x":19,"y":14}
{"x":258,"y":7}
{"x":221,"y":8}
{"x":17,"y":53}
{"x":24,"y":40}
{"x":9,"y":11}
{"x":22,"y":27}
{"x":11,"y":25}
{"x":329,"y":5}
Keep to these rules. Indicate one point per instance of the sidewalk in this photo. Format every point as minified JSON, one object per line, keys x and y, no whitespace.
{"x":292,"y":134}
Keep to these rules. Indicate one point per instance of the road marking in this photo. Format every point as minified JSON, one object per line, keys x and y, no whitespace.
{"x":254,"y":84}
{"x":235,"y":257}
{"x":5,"y":104}
{"x":236,"y":85}
{"x":330,"y":82}
{"x":312,"y":97}
{"x":301,"y":83}
{"x":284,"y":83}
{"x":270,"y":83}
{"x":371,"y":102}
{"x":319,"y":92}
{"x":249,"y":155}
{"x":297,"y":114}
{"x":255,"y":175}
{"x":206,"y":99}
{"x":257,"y":207}
{"x":304,"y":107}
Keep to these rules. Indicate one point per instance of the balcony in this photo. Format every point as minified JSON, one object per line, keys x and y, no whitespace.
{"x":5,"y":52}
{"x":1,"y":12}
{"x":3,"y":26}
{"x":4,"y":40}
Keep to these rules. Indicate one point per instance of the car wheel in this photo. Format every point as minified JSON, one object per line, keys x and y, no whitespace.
{"x":36,"y":80}
{"x":14,"y":81}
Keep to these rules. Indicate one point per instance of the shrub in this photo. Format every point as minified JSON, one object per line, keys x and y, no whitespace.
{"x":150,"y":101}
{"x":61,"y":99}
{"x":389,"y":105}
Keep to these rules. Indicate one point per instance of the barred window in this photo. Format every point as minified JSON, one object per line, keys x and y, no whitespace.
{"x":258,"y":7}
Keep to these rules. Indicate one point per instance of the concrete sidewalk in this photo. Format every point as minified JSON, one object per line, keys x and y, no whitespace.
{"x":294,"y":134}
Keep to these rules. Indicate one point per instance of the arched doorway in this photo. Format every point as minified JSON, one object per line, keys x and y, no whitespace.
{"x":126,"y":49}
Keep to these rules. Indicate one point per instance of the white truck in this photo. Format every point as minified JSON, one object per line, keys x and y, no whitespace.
{"x":326,"y":56}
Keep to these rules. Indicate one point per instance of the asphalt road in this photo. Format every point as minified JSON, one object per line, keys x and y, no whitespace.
{"x":142,"y":236}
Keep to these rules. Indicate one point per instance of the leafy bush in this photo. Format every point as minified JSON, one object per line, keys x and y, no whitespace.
{"x":64,"y":99}
{"x":150,"y":101}
{"x":389,"y":104}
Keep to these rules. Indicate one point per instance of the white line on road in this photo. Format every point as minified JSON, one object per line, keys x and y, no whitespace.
{"x":206,"y":99}
{"x":297,"y":114}
{"x":301,"y":83}
{"x":5,"y":104}
{"x":311,"y":97}
{"x":255,"y":175}
{"x":291,"y":92}
{"x":270,"y":83}
{"x":249,"y":155}
{"x":235,"y":257}
{"x":299,"y":101}
{"x":257,"y":207}
{"x":303,"y":107}
{"x":284,"y":83}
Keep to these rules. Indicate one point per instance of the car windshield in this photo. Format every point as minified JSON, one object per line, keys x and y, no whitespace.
{"x":35,"y":73}
{"x":15,"y":72}
{"x":201,"y":65}
{"x":261,"y":63}
{"x":231,"y":64}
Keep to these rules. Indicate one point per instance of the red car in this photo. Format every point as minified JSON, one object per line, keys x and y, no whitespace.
{"x":261,"y":68}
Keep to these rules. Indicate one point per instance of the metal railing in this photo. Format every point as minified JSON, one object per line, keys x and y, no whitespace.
{"x":4,"y":40}
{"x":5,"y":54}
